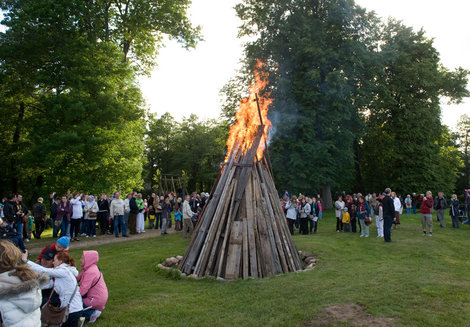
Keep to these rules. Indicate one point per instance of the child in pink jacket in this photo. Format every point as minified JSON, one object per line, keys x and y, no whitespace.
{"x":92,"y":286}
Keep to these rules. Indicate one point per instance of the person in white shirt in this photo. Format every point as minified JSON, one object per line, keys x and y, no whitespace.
{"x":187,"y":215}
{"x":117,"y":210}
{"x":291,"y":214}
{"x":339,"y":208}
{"x":398,"y":207}
{"x":64,"y":281}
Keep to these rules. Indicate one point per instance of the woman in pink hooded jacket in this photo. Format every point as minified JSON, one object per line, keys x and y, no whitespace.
{"x":92,"y":285}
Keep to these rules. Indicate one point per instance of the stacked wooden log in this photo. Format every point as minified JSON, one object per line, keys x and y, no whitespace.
{"x":243,"y":230}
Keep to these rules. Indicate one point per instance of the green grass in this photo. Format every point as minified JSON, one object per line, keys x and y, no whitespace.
{"x":418,"y":281}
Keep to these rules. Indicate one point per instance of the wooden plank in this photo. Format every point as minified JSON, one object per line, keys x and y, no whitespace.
{"x":251,"y":229}
{"x":245,"y":249}
{"x":202,"y":258}
{"x":234,"y":251}
{"x":221,"y":257}
{"x":194,"y":248}
{"x":291,"y":249}
{"x":222,"y":224}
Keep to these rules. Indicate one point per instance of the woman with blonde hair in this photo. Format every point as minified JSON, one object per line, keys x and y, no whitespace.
{"x":20,"y":289}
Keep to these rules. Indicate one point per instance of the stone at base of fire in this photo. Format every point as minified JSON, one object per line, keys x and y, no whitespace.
{"x":308,"y":262}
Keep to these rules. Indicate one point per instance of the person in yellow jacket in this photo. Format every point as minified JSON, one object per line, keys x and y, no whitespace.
{"x":346,"y":220}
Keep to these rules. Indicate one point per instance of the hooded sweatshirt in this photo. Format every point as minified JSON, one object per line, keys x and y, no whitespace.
{"x":20,"y":301}
{"x":93,"y":288}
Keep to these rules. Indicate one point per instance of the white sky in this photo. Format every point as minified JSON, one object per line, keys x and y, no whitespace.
{"x":188,"y":82}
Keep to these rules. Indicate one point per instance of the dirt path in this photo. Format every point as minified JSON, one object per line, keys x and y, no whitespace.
{"x":35,"y":246}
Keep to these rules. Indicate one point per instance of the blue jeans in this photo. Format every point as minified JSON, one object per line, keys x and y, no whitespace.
{"x":19,"y":229}
{"x":158,"y":220}
{"x":408,"y":211}
{"x":414,"y":209}
{"x":65,"y":228}
{"x":91,"y":227}
{"x":388,"y":222}
{"x":119,"y":220}
{"x":55,"y":229}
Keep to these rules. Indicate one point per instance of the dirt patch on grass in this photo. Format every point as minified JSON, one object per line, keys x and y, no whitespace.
{"x":350,"y":314}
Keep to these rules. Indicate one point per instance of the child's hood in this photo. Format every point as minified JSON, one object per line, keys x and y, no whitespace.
{"x":91,"y":258}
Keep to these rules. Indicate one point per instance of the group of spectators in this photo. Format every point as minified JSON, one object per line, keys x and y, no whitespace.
{"x":81,"y":215}
{"x":53,"y":279}
{"x":356,"y":212}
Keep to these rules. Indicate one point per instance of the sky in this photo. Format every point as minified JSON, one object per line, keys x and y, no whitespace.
{"x":188,"y":82}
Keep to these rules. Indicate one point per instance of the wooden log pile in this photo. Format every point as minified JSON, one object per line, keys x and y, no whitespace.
{"x":243,"y":231}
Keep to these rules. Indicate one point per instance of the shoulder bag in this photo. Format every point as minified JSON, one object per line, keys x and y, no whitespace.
{"x":51,"y":315}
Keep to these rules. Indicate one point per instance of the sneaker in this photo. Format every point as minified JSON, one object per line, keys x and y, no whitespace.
{"x":424,"y":233}
{"x":94,"y":316}
{"x":361,"y":236}
{"x":27,"y":240}
{"x":81,"y":321}
{"x":143,"y":231}
{"x":430,"y":234}
{"x":337,"y":231}
{"x":87,"y":236}
{"x":94,"y":235}
{"x":83,"y":234}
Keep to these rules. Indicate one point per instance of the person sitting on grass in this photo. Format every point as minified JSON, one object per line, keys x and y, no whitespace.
{"x":93,"y":288}
{"x":64,"y":282}
{"x":62,"y":245}
{"x":20,"y":296}
{"x":9,"y":233}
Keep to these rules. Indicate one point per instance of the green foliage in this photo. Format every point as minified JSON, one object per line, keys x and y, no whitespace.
{"x":404,"y":146}
{"x":70,"y":106}
{"x":321,"y":63}
{"x":192,"y":147}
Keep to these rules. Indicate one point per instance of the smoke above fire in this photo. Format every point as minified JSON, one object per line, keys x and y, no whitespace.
{"x":252,"y":112}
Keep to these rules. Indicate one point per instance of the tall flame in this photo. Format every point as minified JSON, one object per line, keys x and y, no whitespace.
{"x":248,"y":117}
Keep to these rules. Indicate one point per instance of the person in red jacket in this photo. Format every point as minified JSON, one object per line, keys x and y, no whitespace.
{"x":427,"y":203}
{"x":93,"y":289}
{"x":62,"y":244}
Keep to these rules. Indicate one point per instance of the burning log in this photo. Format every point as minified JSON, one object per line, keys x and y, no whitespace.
{"x":243,"y":231}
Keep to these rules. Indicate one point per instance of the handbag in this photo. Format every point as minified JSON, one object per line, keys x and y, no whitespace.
{"x":92,"y":214}
{"x":55,"y":316}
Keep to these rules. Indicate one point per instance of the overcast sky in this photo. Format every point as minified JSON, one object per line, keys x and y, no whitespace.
{"x":188,"y":82}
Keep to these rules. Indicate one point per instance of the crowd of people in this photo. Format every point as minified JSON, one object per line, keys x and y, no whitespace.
{"x":81,"y":215}
{"x":53,"y":280}
{"x":357,"y":212}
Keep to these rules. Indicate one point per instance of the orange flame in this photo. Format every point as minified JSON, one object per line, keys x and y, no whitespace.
{"x":248,"y":118}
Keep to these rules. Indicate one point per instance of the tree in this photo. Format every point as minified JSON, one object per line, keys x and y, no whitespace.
{"x":463,"y":142}
{"x":79,"y":113}
{"x":193,"y":148}
{"x":403,"y":146}
{"x":321,"y":61}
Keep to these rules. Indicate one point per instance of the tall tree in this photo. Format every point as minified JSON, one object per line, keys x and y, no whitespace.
{"x":403,"y":147}
{"x":322,"y":62}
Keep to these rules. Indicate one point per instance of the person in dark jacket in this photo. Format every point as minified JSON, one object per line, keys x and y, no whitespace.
{"x":8,"y":233}
{"x":454,"y":211}
{"x":9,"y":211}
{"x":134,"y":210}
{"x":440,"y":204}
{"x":103,"y":215}
{"x":39,"y":214}
{"x":22,"y":214}
{"x":389,"y":214}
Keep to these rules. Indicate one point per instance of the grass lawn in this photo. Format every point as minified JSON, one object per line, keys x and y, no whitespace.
{"x":417,"y":281}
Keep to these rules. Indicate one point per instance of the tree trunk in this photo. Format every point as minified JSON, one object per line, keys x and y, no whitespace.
{"x":327,"y":200}
{"x":359,"y":185}
{"x":106,"y":20}
{"x":16,"y":150}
